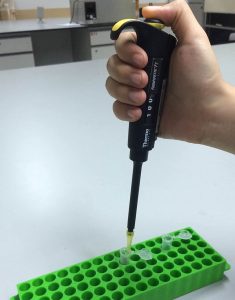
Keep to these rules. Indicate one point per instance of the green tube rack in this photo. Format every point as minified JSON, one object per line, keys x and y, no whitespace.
{"x":187,"y":266}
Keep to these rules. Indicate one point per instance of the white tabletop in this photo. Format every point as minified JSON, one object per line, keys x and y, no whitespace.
{"x":65,"y":177}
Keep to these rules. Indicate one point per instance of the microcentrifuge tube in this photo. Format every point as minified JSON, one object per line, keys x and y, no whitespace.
{"x":145,"y":254}
{"x":184,"y":235}
{"x":124,"y":256}
{"x":167,"y":240}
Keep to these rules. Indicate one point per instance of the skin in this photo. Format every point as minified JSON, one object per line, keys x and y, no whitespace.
{"x":199,"y":106}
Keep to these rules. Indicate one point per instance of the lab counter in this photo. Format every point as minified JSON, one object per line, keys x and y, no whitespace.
{"x":65,"y":177}
{"x":26,"y":43}
{"x":20,"y":26}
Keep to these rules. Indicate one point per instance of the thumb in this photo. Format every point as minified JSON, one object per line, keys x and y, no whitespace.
{"x":179,"y":16}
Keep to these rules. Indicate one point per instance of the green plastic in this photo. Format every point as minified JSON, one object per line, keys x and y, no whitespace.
{"x":187,"y":266}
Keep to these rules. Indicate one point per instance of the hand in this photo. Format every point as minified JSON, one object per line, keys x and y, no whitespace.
{"x":195,"y":86}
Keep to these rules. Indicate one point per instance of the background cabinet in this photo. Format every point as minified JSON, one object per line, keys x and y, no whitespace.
{"x":101,"y":44}
{"x":16,"y":52}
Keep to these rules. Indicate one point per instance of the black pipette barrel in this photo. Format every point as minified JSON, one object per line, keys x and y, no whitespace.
{"x":136,"y":175}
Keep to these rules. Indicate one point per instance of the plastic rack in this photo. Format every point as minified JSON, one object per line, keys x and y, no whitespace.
{"x":187,"y":266}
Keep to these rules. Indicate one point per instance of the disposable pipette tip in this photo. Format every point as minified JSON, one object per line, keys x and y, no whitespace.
{"x":130,"y":236}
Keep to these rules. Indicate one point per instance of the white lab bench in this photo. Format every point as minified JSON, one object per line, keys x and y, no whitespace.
{"x":65,"y":177}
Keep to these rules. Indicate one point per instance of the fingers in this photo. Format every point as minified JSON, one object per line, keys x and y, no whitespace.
{"x":129,"y":52}
{"x":124,"y":93}
{"x":126,"y":112}
{"x":127,"y":77}
{"x":126,"y":74}
{"x":179,"y":16}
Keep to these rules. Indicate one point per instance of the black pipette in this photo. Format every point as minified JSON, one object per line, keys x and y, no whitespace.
{"x":142,"y":134}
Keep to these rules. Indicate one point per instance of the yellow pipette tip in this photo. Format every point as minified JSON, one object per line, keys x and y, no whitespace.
{"x":130,"y":236}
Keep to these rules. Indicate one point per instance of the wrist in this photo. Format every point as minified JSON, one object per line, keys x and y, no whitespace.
{"x":219,"y":127}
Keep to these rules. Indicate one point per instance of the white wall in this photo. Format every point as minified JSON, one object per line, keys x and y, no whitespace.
{"x":31,"y":4}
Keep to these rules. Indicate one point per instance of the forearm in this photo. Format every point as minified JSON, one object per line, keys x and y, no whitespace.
{"x":220,"y":127}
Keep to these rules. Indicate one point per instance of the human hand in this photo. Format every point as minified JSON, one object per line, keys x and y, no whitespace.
{"x":195,"y":83}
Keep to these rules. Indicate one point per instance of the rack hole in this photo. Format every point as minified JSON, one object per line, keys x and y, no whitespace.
{"x":153,"y":282}
{"x":50,"y":277}
{"x":130,"y":291}
{"x":217,"y":258}
{"x":78,"y":277}
{"x":175,"y":273}
{"x":87,"y":296}
{"x":157,"y":269}
{"x":90,"y":273}
{"x":53,"y":286}
{"x":118,"y":273}
{"x":135,"y":277}
{"x":117,"y":296}
{"x":70,"y":291}
{"x":195,"y":237}
{"x":141,"y":265}
{"x":74,"y":269}
{"x":113,"y":265}
{"x":123,"y":281}
{"x":150,"y":244}
{"x":176,"y":244}
{"x":164,"y":277}
{"x":27,"y":296}
{"x":189,"y":258}
{"x":168,"y":265}
{"x":95,"y":281}
{"x":99,"y":291}
{"x":102,"y":269}
{"x":147,"y":273}
{"x":108,"y":257}
{"x":135,"y":257}
{"x":130,"y":269}
{"x":162,"y":257}
{"x":141,"y":286}
{"x":139,"y":246}
{"x":196,"y":266}
{"x":192,"y":247}
{"x":209,"y":251}
{"x":86,"y":265}
{"x":199,"y":254}
{"x":106,"y":277}
{"x":57,"y":296}
{"x":179,"y":261}
{"x":186,"y":269}
{"x":37,"y":282}
{"x":182,"y":250}
{"x":41,"y":291}
{"x":66,"y":282}
{"x":156,"y":250}
{"x":82,"y":286}
{"x":172,"y":254}
{"x":202,"y":244}
{"x":24,"y":287}
{"x":112,"y":286}
{"x":207,"y":262}
{"x":97,"y":261}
